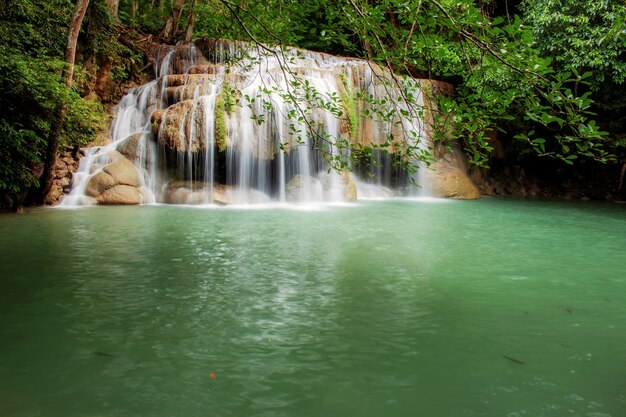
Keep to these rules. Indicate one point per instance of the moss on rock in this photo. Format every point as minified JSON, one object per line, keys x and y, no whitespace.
{"x":220,"y":123}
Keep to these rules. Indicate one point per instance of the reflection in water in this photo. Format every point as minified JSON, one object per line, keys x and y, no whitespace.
{"x":386,"y":308}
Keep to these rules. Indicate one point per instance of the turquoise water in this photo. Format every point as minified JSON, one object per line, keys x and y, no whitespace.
{"x":393,"y":308}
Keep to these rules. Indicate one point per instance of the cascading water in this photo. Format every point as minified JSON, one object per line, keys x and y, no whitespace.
{"x":225,"y":122}
{"x":133,"y":118}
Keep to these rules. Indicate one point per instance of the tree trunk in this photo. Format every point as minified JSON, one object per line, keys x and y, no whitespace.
{"x":191,"y":20}
{"x":133,"y":10}
{"x":72,"y":39}
{"x":159,"y":5}
{"x":113,"y":6}
{"x":173,"y":21}
{"x":59,"y":117}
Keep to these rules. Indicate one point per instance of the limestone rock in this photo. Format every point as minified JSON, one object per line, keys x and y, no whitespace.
{"x":53,"y":195}
{"x":195,"y":192}
{"x":155,"y":121}
{"x":123,"y":172}
{"x":117,"y":183}
{"x":64,"y":169}
{"x":451,"y":182}
{"x":129,"y":146}
{"x":120,"y":194}
{"x":99,"y":183}
{"x":220,"y":196}
{"x":349,"y":182}
{"x":181,"y":127}
{"x":203,"y":69}
{"x":181,"y":87}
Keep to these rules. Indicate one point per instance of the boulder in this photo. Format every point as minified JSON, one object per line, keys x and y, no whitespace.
{"x":220,"y":196}
{"x":339,"y":186}
{"x":120,"y":194}
{"x":451,"y":182}
{"x":117,"y":183}
{"x":129,"y":146}
{"x":195,"y":192}
{"x":123,"y":172}
{"x":54,"y":195}
{"x":139,"y":149}
{"x":64,"y":169}
{"x":99,"y":183}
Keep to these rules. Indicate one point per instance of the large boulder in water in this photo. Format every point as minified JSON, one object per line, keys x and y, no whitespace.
{"x":452,"y":182}
{"x":123,"y":172}
{"x":120,"y":194}
{"x":118,"y":183}
{"x":99,"y":183}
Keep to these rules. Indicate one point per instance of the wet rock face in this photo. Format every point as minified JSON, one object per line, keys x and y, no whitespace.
{"x":181,"y":127}
{"x":130,"y":146}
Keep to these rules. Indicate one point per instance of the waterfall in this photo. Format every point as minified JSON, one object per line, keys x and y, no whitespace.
{"x":208,"y":106}
{"x":132,"y":118}
{"x":230,"y":123}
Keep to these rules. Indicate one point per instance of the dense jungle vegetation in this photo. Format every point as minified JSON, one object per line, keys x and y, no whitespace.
{"x":546,"y":75}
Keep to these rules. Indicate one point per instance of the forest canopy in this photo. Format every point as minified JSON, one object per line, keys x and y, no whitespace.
{"x":547,"y":75}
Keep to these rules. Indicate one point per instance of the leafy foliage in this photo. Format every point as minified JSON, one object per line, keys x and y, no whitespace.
{"x":586,"y":40}
{"x":504,"y":79}
{"x":104,"y":39}
{"x":582,"y":35}
{"x":32,"y":41}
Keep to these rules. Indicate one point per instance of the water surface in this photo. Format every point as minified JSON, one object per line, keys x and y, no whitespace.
{"x":385,"y":308}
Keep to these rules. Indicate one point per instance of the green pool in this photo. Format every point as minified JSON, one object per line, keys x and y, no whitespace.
{"x":433,"y":308}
